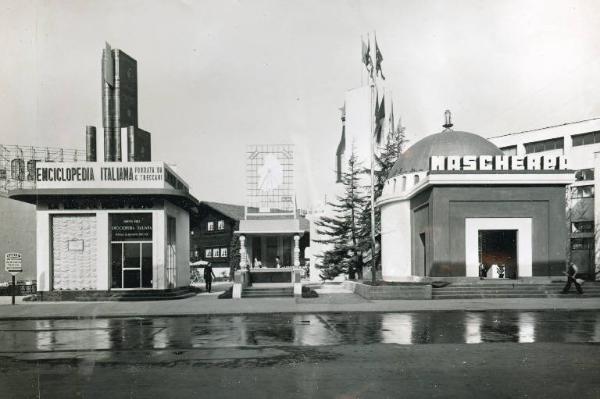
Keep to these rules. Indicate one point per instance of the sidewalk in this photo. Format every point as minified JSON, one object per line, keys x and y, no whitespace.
{"x":330,"y":300}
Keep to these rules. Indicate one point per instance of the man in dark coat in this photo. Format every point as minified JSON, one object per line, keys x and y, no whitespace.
{"x":572,"y":279}
{"x":208,"y":276}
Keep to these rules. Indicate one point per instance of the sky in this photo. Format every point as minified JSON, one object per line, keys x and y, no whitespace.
{"x":216,"y":76}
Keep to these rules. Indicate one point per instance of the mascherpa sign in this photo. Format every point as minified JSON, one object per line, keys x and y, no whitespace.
{"x":12,"y":262}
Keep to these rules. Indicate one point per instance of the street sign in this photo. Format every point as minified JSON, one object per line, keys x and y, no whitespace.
{"x":12,"y":262}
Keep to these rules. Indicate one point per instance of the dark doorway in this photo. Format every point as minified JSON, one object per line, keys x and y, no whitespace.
{"x":499,"y":247}
{"x":421,"y":256}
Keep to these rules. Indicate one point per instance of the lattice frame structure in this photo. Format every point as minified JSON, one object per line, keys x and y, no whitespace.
{"x":282,"y":199}
{"x":17,"y":163}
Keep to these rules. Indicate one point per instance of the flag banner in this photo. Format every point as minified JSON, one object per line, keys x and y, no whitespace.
{"x":378,"y":61}
{"x":366,"y":56}
{"x":379,"y":119}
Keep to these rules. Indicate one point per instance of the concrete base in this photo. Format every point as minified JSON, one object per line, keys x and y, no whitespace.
{"x":404,"y":291}
{"x":117,"y":295}
{"x":477,"y":280}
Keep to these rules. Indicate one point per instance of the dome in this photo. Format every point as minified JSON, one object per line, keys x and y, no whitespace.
{"x":448,"y":142}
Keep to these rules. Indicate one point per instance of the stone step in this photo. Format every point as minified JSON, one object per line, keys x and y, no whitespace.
{"x":510,"y":291}
{"x":267,"y":292}
{"x":136,"y":298}
{"x":507,"y":296}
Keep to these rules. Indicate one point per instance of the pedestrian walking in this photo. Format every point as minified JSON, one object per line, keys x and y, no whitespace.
{"x":208,"y":277}
{"x":572,"y":279}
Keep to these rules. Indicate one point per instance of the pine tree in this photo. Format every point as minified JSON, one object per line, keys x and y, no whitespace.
{"x":342,"y":229}
{"x":384,"y":162}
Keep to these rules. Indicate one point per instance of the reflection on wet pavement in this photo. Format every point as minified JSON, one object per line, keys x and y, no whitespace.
{"x":298,"y":330}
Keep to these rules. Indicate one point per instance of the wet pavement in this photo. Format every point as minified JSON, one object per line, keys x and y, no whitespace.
{"x":418,"y":353}
{"x":298,"y":330}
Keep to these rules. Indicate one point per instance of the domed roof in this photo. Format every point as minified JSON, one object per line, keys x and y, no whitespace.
{"x":448,"y":142}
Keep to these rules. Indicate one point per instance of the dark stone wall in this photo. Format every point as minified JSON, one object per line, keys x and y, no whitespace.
{"x":450,"y":206}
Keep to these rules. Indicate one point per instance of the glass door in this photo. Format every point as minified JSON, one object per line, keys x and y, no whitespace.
{"x":131,"y":265}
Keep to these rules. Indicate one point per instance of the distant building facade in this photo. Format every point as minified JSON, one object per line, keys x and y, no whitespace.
{"x":211,"y":233}
{"x":580,"y":143}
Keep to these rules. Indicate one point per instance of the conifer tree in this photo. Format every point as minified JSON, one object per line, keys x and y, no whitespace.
{"x":342,"y":229}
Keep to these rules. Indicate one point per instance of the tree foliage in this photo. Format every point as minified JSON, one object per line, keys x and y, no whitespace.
{"x":342,"y":230}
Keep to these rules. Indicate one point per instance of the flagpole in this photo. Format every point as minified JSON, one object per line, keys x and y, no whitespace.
{"x":373,"y":256}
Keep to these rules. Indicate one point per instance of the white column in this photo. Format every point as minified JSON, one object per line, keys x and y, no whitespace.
{"x":396,"y":256}
{"x":103,"y":261}
{"x":243,"y":254}
{"x":296,"y":250}
{"x":43,"y":255}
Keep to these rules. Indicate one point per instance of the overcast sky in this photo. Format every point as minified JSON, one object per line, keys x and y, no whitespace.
{"x":215,"y":76}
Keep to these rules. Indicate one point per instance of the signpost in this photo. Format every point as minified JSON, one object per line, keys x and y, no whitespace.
{"x":12,"y":264}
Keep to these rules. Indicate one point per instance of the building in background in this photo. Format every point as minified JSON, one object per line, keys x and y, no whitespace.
{"x":211,"y":235}
{"x":580,"y":143}
{"x":272,"y":226}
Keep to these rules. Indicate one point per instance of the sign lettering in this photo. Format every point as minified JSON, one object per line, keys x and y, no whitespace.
{"x":497,"y":163}
{"x":12,"y":262}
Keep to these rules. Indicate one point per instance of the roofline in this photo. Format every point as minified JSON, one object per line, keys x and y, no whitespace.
{"x":31,"y":196}
{"x":209,"y":204}
{"x":545,"y":127}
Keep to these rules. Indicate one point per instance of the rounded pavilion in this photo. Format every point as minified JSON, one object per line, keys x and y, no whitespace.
{"x":454,"y":206}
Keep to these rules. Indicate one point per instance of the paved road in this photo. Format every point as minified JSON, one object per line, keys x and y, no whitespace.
{"x":370,"y":355}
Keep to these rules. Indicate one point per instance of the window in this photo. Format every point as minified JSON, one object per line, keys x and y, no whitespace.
{"x":510,"y":150}
{"x":586,"y":138}
{"x":223,"y":252}
{"x":208,"y":253}
{"x":582,"y":192}
{"x":582,"y":227}
{"x":221,"y":225}
{"x":416,"y":179}
{"x":210,"y":226}
{"x":545,"y":145}
{"x":584,"y":174}
{"x":403,"y":183}
{"x":582,"y":243}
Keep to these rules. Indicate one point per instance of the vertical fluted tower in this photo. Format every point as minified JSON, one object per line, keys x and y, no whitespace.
{"x":119,"y":99}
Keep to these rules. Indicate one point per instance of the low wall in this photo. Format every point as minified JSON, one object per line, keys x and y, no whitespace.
{"x":395,"y":291}
{"x":271,"y":275}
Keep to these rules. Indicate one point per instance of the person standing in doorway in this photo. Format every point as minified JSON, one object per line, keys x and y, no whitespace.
{"x":277,"y":262}
{"x":208,"y":277}
{"x":572,"y":279}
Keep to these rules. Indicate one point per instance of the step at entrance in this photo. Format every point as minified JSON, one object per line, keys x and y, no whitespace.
{"x":251,"y":292}
{"x":517,"y":290}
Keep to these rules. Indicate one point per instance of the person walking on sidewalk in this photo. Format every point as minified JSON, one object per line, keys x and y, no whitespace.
{"x":572,"y":279}
{"x":208,"y":277}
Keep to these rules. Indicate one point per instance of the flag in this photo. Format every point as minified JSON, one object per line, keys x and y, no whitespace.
{"x":379,"y":118}
{"x":366,"y":56}
{"x":378,"y":60}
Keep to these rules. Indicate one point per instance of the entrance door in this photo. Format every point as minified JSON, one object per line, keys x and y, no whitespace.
{"x":131,"y":265}
{"x":422,"y":263}
{"x":271,"y":251}
{"x":498,"y":252}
